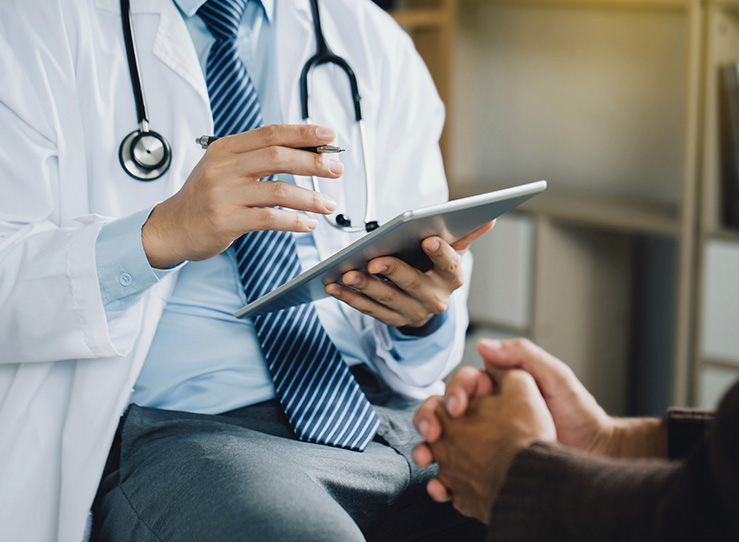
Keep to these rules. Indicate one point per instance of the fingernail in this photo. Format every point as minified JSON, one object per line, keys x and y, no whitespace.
{"x":332,"y":290}
{"x":451,"y":402}
{"x":353,"y":279}
{"x":434,"y":244}
{"x":329,"y":204}
{"x":311,"y":222}
{"x":493,"y":344}
{"x":379,"y":270}
{"x":335,"y":167}
{"x":325,"y":133}
{"x":423,"y":427}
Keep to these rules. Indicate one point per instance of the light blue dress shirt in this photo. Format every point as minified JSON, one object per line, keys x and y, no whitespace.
{"x":202,"y":358}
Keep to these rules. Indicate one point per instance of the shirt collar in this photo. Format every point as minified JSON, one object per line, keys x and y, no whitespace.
{"x":190,"y":7}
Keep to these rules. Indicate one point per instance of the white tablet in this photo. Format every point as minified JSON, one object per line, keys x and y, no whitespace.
{"x":400,"y":237}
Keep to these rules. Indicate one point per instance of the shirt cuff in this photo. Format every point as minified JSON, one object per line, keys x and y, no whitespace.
{"x":437,"y":320}
{"x":122,"y":266}
{"x":685,"y":429}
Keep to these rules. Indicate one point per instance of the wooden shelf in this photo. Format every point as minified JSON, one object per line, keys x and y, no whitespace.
{"x":592,"y":210}
{"x":727,"y":5}
{"x":661,"y":5}
{"x":420,"y":18}
{"x":720,"y":363}
{"x":432,"y":26}
{"x":723,"y":233}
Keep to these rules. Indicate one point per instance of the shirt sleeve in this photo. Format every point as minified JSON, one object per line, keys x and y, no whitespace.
{"x":123,"y":271}
{"x":685,"y":429}
{"x":411,"y":346}
{"x":123,"y":268}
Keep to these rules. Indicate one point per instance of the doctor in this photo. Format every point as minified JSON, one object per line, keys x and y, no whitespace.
{"x":117,"y":295}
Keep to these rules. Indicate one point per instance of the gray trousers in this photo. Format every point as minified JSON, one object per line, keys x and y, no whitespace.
{"x":243,"y":475}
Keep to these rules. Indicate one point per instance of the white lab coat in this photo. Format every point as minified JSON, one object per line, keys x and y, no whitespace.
{"x":67,"y":368}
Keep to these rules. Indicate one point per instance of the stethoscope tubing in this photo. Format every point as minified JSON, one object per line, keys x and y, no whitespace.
{"x":145,"y":155}
{"x":324,"y":55}
{"x":133,"y":66}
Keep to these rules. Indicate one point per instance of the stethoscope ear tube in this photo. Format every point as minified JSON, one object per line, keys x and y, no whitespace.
{"x":324,"y":55}
{"x":144,"y":154}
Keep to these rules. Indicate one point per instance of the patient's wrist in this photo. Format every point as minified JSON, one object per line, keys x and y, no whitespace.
{"x":640,"y":437}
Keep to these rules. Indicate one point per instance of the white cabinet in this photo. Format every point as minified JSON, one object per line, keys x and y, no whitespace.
{"x":714,"y":382}
{"x":720,"y":322}
{"x":500,"y":289}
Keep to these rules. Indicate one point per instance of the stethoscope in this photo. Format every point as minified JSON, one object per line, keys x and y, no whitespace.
{"x":145,"y":155}
{"x":326,"y":56}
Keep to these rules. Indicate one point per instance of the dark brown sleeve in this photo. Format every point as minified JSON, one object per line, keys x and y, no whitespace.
{"x":555,"y":493}
{"x":685,"y":429}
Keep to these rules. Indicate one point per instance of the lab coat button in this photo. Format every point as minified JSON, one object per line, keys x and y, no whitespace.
{"x":125,"y":279}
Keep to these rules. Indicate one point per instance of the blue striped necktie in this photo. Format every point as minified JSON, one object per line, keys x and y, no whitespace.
{"x":320,"y":396}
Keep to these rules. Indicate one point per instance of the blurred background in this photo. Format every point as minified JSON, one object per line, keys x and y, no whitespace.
{"x":627,"y":267}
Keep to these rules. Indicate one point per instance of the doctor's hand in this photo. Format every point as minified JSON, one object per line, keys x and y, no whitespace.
{"x":475,"y":451}
{"x":407,"y":296}
{"x":223,"y":198}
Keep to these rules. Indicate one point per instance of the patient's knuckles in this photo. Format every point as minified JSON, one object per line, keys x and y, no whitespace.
{"x":462,"y":377}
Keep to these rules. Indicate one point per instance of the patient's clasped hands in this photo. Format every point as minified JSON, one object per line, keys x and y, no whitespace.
{"x":525,"y":395}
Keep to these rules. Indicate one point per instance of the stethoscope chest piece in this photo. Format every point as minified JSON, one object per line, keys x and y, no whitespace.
{"x":145,"y":156}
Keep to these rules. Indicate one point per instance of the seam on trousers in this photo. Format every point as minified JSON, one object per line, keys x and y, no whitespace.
{"x":410,"y":476}
{"x":138,"y":516}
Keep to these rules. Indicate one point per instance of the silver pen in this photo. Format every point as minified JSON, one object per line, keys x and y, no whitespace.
{"x":204,"y":141}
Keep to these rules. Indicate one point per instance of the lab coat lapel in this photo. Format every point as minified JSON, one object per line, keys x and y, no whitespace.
{"x":172,"y":44}
{"x":293,"y":19}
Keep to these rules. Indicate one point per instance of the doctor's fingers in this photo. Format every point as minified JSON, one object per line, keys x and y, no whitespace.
{"x":275,"y":135}
{"x":260,"y":163}
{"x":389,"y":294}
{"x":431,"y":289}
{"x":464,"y":243}
{"x":281,"y":194}
{"x":269,"y":218}
{"x":380,"y":299}
{"x":447,"y":261}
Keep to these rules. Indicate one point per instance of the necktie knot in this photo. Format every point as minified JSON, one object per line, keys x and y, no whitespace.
{"x":223,"y":17}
